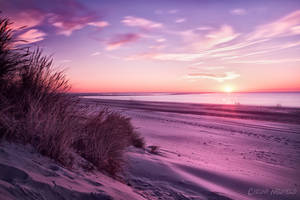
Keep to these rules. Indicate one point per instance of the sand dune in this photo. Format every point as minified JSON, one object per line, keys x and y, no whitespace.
{"x":25,"y":174}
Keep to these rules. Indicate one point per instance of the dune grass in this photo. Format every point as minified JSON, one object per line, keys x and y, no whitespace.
{"x":113,"y":133}
{"x":36,"y":109}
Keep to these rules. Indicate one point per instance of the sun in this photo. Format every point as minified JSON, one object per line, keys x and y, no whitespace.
{"x":228,"y":89}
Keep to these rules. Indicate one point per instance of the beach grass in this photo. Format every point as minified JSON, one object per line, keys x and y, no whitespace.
{"x":36,"y":109}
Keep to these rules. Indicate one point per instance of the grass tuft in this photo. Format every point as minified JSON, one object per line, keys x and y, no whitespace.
{"x":36,"y":109}
{"x":137,"y":140}
{"x":104,"y":138}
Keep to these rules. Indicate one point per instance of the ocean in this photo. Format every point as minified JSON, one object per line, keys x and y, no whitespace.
{"x":279,"y":99}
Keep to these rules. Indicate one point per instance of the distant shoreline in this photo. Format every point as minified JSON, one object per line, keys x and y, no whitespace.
{"x":290,"y":100}
{"x":167,"y":93}
{"x":264,"y":113}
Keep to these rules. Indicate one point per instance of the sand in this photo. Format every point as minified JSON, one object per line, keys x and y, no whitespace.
{"x":26,"y":175}
{"x":213,"y":151}
{"x":205,"y":152}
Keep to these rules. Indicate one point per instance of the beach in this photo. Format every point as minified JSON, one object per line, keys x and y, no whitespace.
{"x":149,"y":100}
{"x":192,"y":152}
{"x":212,"y":151}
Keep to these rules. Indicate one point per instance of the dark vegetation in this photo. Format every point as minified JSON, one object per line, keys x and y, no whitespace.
{"x":36,"y":109}
{"x":153,"y":149}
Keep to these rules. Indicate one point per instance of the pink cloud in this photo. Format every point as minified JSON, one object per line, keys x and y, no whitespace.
{"x":141,"y":56}
{"x":224,"y":34}
{"x":160,"y":40}
{"x":65,"y":16}
{"x":96,"y":53}
{"x":287,"y":25}
{"x":157,"y":47}
{"x":99,"y":24}
{"x":220,"y":77}
{"x":251,"y":52}
{"x":204,"y":28}
{"x":238,"y":11}
{"x":178,"y":56}
{"x":197,"y":63}
{"x":31,"y":36}
{"x":209,"y":68}
{"x":237,"y":46}
{"x":180,"y":20}
{"x":28,"y":19}
{"x":73,"y":15}
{"x":291,"y":44}
{"x":205,"y":68}
{"x":140,"y":22}
{"x":66,"y":26}
{"x":121,"y":40}
{"x":271,"y":61}
{"x":167,"y":56}
{"x":196,"y":40}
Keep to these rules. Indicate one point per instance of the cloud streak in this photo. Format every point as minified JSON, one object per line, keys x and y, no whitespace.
{"x":287,"y":25}
{"x":99,"y":24}
{"x":238,"y":11}
{"x":273,"y":61}
{"x":31,"y":36}
{"x":66,"y":26}
{"x":28,"y":19}
{"x":71,"y":15}
{"x":140,"y":22}
{"x":96,"y":53}
{"x":184,"y":57}
{"x":220,"y":77}
{"x":226,"y":45}
{"x":120,"y":40}
{"x":180,"y":20}
{"x":196,"y":40}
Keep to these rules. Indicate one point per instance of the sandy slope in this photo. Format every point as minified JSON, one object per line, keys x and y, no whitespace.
{"x":214,"y":151}
{"x":26,"y":175}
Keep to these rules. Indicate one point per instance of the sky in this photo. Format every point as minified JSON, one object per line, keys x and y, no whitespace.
{"x":165,"y":45}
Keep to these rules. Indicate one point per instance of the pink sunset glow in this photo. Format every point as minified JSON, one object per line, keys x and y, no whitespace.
{"x":178,"y":47}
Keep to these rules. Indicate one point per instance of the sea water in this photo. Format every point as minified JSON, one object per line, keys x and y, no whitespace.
{"x":285,"y":99}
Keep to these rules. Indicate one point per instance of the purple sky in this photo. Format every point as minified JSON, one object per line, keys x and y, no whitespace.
{"x":166,"y":46}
